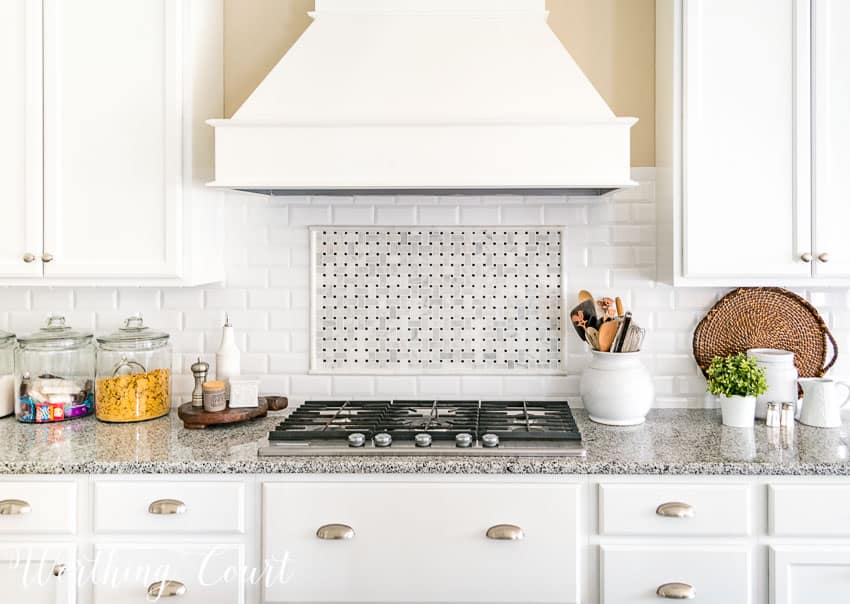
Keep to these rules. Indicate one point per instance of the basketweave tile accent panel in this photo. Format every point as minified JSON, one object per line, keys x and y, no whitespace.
{"x":436,"y":300}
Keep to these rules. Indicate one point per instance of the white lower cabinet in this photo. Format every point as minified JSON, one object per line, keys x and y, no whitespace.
{"x":37,"y":573}
{"x":810,"y":574}
{"x":422,"y":542}
{"x":633,"y":574}
{"x":190,"y":574}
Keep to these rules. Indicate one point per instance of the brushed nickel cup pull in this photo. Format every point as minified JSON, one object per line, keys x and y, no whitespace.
{"x":675,"y":509}
{"x":505,"y":532}
{"x":166,"y":589}
{"x":334,"y":532}
{"x":14,"y":507}
{"x":29,"y":258}
{"x":58,"y":570}
{"x":45,"y":257}
{"x":824,"y":257}
{"x":676,"y":591}
{"x":166,"y":507}
{"x":807,"y":257}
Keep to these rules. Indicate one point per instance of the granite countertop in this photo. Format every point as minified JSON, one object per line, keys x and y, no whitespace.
{"x":673,"y":441}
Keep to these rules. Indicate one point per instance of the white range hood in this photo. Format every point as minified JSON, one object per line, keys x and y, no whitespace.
{"x":445,"y":96}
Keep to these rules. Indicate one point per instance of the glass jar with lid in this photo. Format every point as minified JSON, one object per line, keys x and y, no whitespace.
{"x":54,"y":373}
{"x":133,"y":373}
{"x":7,"y":373}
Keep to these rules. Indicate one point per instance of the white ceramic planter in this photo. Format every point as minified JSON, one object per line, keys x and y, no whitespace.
{"x":738,"y":411}
{"x":617,"y":389}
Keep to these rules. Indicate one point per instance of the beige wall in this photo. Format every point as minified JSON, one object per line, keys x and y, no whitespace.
{"x":612,"y":40}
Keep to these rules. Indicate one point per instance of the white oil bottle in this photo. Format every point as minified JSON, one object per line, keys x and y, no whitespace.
{"x":227,"y":358}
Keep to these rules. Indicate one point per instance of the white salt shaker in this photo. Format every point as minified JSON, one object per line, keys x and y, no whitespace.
{"x":227,"y":358}
{"x":781,"y":376}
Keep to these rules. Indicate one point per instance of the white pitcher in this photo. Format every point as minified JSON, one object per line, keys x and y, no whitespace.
{"x":821,"y":407}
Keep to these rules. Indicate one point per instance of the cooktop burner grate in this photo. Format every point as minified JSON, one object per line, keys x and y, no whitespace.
{"x":443,"y":420}
{"x":528,"y":420}
{"x":323,"y":420}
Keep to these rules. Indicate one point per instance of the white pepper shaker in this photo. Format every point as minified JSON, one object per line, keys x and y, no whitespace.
{"x":228,"y":357}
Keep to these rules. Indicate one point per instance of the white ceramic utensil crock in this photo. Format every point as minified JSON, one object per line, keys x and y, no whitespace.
{"x":616,"y":388}
{"x":821,"y":406}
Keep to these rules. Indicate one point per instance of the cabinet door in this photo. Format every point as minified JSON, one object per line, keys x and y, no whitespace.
{"x":809,"y":574}
{"x":831,"y":80}
{"x":37,"y":573}
{"x":20,"y":143}
{"x":746,"y":180}
{"x":112,"y":137}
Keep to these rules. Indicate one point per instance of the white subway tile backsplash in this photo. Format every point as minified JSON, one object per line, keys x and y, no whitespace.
{"x":610,"y":250}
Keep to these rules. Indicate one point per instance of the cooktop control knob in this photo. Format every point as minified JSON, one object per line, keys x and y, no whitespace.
{"x":382,"y":439}
{"x":356,"y":439}
{"x":464,"y":439}
{"x":490,"y":440}
{"x":423,"y":440}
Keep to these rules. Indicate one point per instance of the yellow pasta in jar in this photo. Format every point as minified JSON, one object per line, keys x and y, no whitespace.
{"x":132,"y":398}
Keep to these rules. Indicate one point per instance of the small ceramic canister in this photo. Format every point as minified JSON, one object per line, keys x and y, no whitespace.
{"x":215,"y":398}
{"x":781,"y":375}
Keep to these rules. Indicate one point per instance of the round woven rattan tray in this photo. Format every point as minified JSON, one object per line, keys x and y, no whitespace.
{"x":765,"y":317}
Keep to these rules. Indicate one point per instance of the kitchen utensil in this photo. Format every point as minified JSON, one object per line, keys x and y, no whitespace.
{"x":780,"y":373}
{"x":619,"y":302}
{"x":622,"y":331}
{"x":197,"y":419}
{"x":821,"y":406}
{"x":592,"y":337}
{"x":584,"y":295}
{"x":607,"y":332}
{"x":584,"y":316}
{"x":199,"y":371}
{"x":765,"y":317}
{"x":607,"y":309}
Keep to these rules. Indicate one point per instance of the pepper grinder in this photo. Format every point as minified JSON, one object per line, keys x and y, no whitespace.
{"x":199,"y":370}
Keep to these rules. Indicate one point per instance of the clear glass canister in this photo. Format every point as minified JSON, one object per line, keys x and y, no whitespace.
{"x":7,"y":373}
{"x":54,"y":374}
{"x":133,"y":374}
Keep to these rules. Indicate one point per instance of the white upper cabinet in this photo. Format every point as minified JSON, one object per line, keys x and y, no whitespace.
{"x":831,"y":134}
{"x":735,"y":144}
{"x":127,"y":85}
{"x":20,"y":142}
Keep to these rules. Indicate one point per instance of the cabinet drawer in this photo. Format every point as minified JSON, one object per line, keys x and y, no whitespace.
{"x":809,"y":510}
{"x":422,"y":542}
{"x":809,"y":573}
{"x":35,"y":507}
{"x":634,"y":509}
{"x":718,"y":575}
{"x":169,"y":507}
{"x":208,"y":574}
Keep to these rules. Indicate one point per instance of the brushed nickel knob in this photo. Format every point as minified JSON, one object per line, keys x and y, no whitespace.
{"x":29,"y":258}
{"x":807,"y":257}
{"x":45,"y":257}
{"x":166,"y":589}
{"x":505,"y":532}
{"x":58,"y":570}
{"x":167,"y":507}
{"x":675,"y":509}
{"x":335,"y":532}
{"x":14,"y":507}
{"x":676,"y":591}
{"x":823,"y":257}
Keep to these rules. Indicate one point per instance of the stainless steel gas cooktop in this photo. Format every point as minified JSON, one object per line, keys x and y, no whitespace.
{"x":427,"y":427}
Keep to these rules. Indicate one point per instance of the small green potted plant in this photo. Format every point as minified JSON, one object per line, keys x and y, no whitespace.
{"x":736,"y":381}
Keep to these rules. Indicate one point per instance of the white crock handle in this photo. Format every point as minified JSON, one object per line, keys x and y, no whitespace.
{"x":846,"y":400}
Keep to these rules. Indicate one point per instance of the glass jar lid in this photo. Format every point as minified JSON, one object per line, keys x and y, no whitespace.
{"x":6,"y":338}
{"x":133,"y":335}
{"x":55,"y":335}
